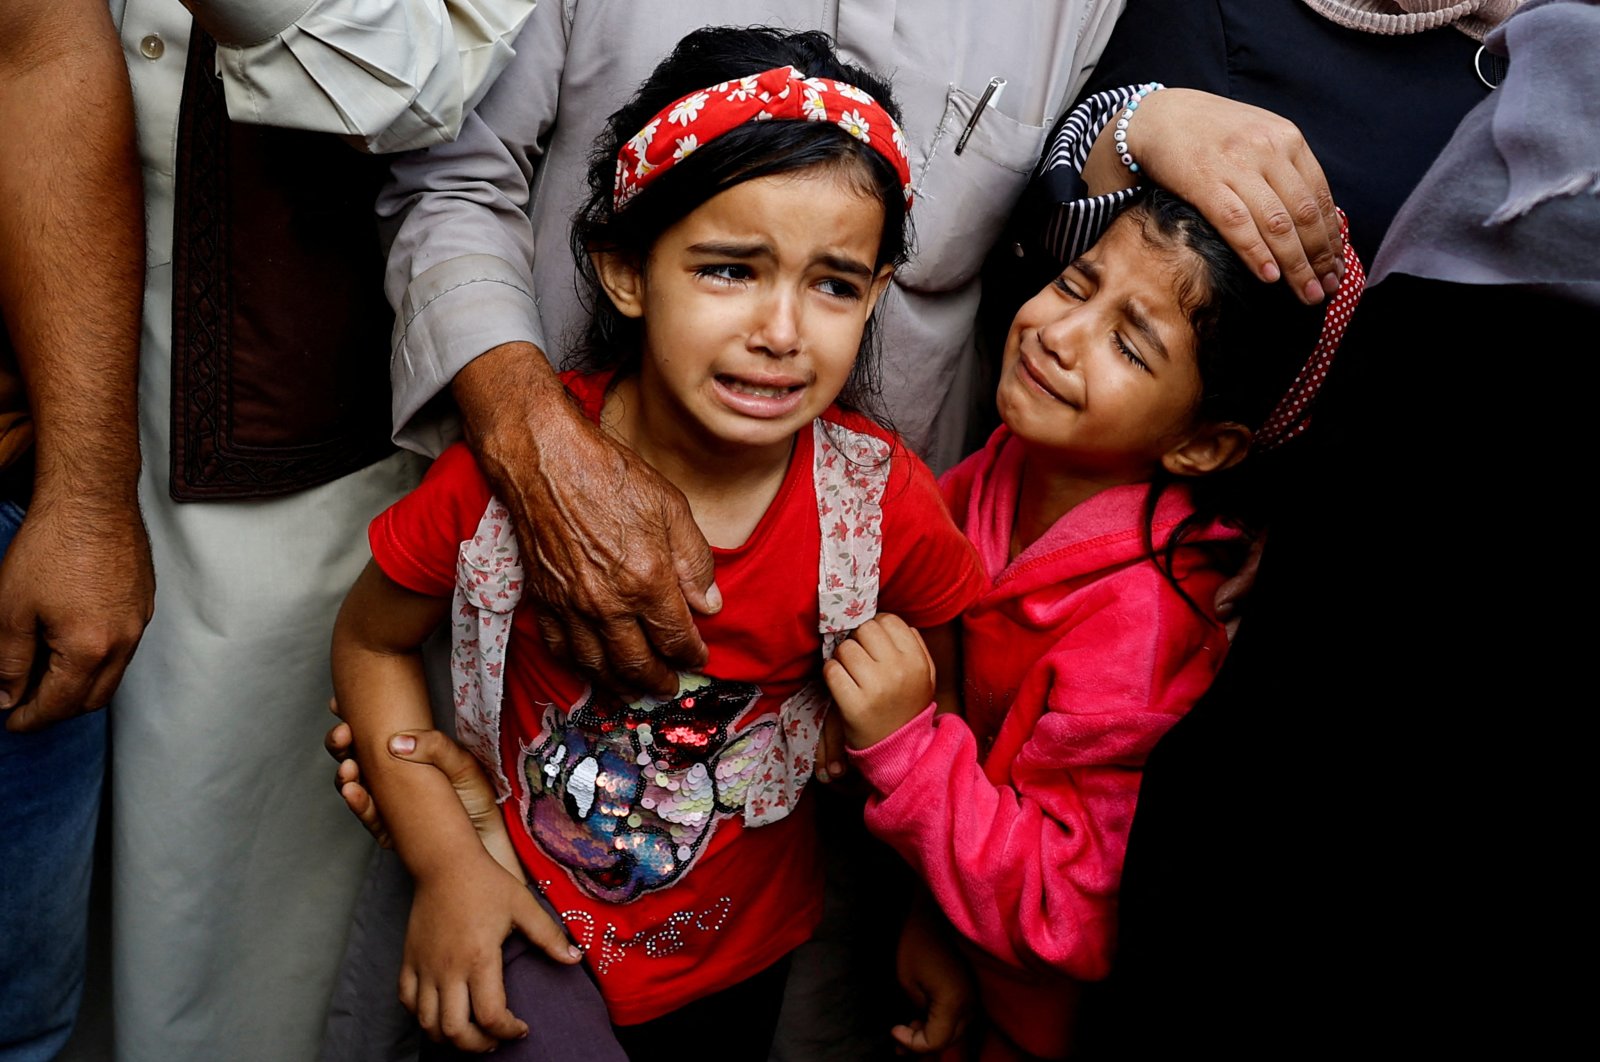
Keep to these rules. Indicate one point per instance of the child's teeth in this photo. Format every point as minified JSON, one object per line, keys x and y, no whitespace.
{"x":761,"y":392}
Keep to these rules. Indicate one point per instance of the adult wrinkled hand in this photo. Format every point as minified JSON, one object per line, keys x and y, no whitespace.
{"x":76,"y":591}
{"x":1253,"y":176}
{"x":610,"y":549}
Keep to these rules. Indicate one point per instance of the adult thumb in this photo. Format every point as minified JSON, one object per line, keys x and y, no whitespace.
{"x":696,"y":569}
{"x":433,"y":748}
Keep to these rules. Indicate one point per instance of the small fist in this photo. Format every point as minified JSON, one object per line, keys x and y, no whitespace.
{"x":881,"y":679}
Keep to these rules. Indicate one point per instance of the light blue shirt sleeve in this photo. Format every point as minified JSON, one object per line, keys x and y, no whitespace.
{"x":387,"y":74}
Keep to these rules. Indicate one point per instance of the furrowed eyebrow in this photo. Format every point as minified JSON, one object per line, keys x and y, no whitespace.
{"x":1135,"y":315}
{"x":743,"y":252}
{"x":729,"y":249}
{"x":1142,"y":325}
{"x":850,"y":266}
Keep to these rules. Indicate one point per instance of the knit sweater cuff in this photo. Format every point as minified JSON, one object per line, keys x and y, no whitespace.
{"x":886,"y":763}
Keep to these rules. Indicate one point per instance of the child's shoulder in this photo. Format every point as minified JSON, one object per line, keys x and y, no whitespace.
{"x":862,"y":424}
{"x":903,"y":462}
{"x":588,"y":389}
{"x":453,"y":494}
{"x":456,"y":470}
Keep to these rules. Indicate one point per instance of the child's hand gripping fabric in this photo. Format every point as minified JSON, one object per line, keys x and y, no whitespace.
{"x":451,"y":975}
{"x":460,"y":918}
{"x":881,"y":679}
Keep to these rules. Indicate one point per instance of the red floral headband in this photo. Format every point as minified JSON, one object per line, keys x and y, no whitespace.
{"x":782,"y":92}
{"x":1292,"y":414}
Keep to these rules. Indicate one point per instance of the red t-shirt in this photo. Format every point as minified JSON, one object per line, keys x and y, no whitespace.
{"x":670,"y":912}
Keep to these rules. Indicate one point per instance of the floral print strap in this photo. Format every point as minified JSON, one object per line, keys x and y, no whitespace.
{"x":850,"y":471}
{"x":488,"y":586}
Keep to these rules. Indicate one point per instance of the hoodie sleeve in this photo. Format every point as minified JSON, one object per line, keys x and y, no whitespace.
{"x":1026,"y":858}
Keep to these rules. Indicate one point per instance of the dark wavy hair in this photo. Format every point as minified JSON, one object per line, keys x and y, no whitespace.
{"x":1251,"y":339}
{"x":755,"y":149}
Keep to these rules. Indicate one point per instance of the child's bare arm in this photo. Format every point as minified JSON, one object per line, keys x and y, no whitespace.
{"x":437,"y":749}
{"x":466,"y":903}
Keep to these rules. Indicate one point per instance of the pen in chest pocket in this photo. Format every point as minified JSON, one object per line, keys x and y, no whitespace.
{"x":990,"y":97}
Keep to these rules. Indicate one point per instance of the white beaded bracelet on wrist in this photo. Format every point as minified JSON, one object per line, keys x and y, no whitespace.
{"x":1120,"y":135}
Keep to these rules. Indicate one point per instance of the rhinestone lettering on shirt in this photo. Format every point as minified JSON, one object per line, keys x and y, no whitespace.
{"x":657,"y":942}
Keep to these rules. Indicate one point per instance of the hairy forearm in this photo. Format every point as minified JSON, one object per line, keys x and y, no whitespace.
{"x":506,"y":390}
{"x":72,"y":246}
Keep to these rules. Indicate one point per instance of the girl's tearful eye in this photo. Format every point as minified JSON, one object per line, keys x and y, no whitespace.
{"x":726,"y":272}
{"x":1067,"y":288}
{"x":1129,"y":353}
{"x":841,"y":289}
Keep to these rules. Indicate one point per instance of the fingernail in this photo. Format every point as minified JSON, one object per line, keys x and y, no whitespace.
{"x":574,"y":952}
{"x":1270,"y":273}
{"x":5,"y":701}
{"x":402,"y":744}
{"x":835,"y":768}
{"x":1330,"y":283}
{"x":1312,"y":292}
{"x":714,"y":598}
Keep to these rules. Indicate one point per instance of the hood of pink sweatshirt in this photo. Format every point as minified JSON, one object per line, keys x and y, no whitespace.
{"x":1099,"y":534}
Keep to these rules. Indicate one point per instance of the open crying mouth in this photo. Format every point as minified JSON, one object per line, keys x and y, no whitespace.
{"x":743,"y":387}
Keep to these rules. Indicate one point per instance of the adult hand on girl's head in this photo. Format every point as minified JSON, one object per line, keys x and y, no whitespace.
{"x":881,"y":678}
{"x":610,"y":550}
{"x":1249,"y":171}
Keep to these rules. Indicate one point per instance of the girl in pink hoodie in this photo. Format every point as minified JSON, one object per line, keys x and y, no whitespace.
{"x":1107,"y":510}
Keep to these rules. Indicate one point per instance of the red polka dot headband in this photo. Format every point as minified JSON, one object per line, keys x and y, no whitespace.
{"x":694,"y":120}
{"x":1292,"y":415}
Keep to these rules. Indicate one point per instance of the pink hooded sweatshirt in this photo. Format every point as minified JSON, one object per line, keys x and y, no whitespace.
{"x":1076,"y":661}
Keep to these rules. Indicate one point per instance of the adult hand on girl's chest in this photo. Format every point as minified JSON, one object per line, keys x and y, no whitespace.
{"x":610,"y":550}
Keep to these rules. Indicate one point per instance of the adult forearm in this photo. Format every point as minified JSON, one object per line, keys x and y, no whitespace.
{"x":72,"y":249}
{"x":505,"y":390}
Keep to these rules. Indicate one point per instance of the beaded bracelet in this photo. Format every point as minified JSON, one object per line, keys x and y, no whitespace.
{"x":1121,"y":133}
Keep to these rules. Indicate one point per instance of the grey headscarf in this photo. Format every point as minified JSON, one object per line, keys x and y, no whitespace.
{"x":1514,"y":198}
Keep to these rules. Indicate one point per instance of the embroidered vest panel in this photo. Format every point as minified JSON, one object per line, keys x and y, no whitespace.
{"x":280,"y":329}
